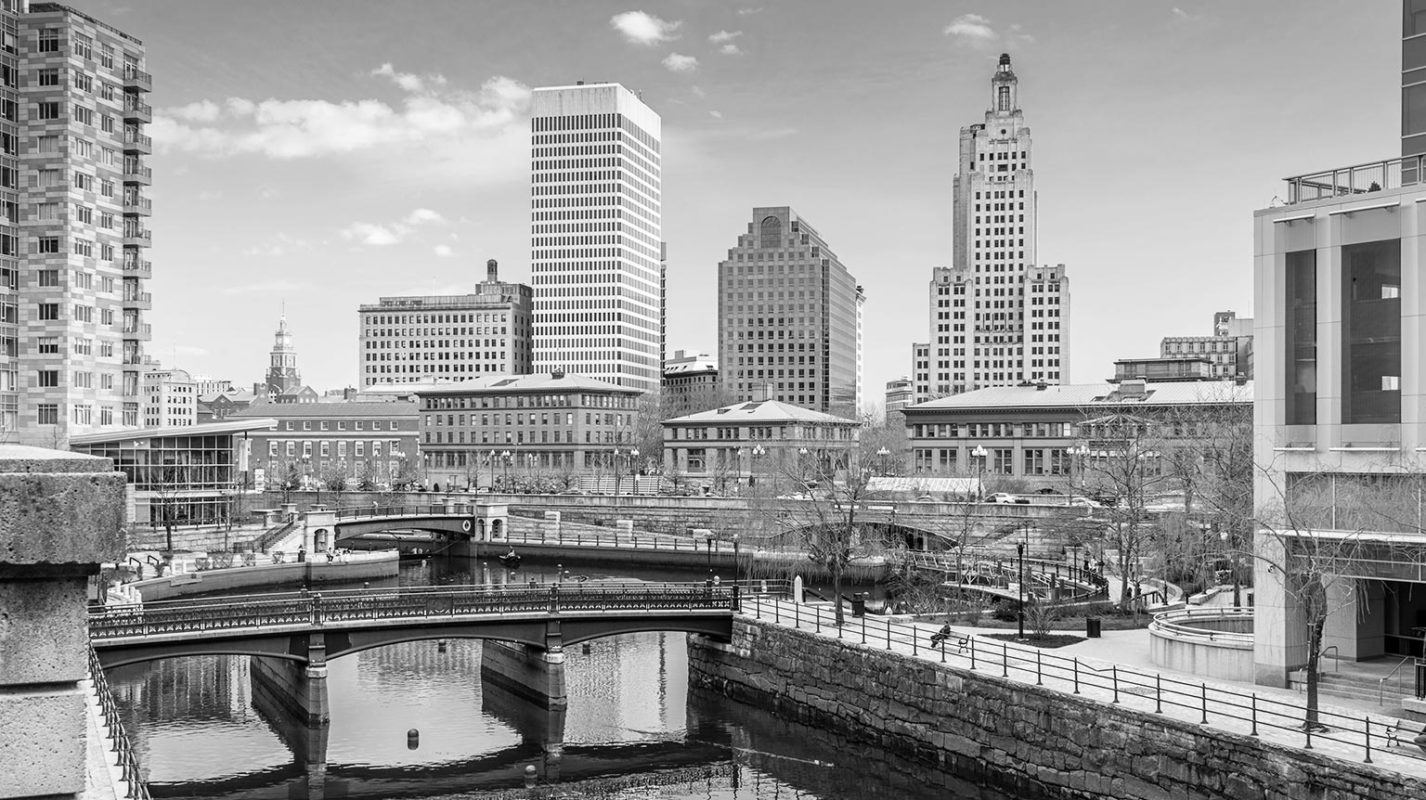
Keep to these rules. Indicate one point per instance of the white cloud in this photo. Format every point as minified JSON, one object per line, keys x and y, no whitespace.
{"x":730,"y":49}
{"x":972,"y":28}
{"x":745,"y":12}
{"x":384,"y":234}
{"x":444,"y":250}
{"x":423,"y":216}
{"x":715,"y":114}
{"x":1179,"y":13}
{"x":680,"y":63}
{"x":646,"y":29}
{"x":977,"y":31}
{"x":698,"y":91}
{"x":409,"y":81}
{"x":430,"y":116}
{"x":201,"y":111}
{"x":724,"y":36}
{"x":375,"y":235}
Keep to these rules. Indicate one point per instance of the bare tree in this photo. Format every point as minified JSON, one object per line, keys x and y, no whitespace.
{"x":1125,"y":465}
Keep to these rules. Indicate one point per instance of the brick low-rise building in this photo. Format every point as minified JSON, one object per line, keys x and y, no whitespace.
{"x":740,"y":443}
{"x":324,"y":444}
{"x":506,"y":430}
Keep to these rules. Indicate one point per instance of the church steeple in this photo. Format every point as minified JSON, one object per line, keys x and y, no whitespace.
{"x":1003,"y":88}
{"x":282,"y":374}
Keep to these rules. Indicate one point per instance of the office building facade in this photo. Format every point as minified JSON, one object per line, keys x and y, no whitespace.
{"x":789,"y":317}
{"x":596,"y":257}
{"x":331,"y":445}
{"x":1229,"y":349}
{"x":73,"y":236}
{"x":690,"y":383}
{"x":170,"y":398}
{"x":448,"y":337}
{"x":538,"y":428}
{"x":996,"y":319}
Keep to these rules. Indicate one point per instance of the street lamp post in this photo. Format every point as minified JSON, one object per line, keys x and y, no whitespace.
{"x":1077,"y":454}
{"x":979,"y":454}
{"x":490,"y":459}
{"x":881,"y":455}
{"x":758,"y":452}
{"x":505,"y":470}
{"x":1232,"y":567}
{"x":1020,"y":572}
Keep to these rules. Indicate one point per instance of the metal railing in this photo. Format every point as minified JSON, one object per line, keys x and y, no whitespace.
{"x":434,"y":509}
{"x":635,"y":541}
{"x":273,"y":536}
{"x":1172,"y":623}
{"x":1381,"y":682}
{"x":414,"y":603}
{"x":1132,"y":688}
{"x":995,"y":569}
{"x":123,"y":749}
{"x":1357,"y":179}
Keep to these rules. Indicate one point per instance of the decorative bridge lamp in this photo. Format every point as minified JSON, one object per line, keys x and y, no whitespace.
{"x":979,"y":454}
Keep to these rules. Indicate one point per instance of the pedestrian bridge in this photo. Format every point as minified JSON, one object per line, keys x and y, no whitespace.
{"x":459,"y":520}
{"x":312,"y":628}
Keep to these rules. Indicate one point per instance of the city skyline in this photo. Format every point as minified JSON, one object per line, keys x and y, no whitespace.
{"x":421,"y":150}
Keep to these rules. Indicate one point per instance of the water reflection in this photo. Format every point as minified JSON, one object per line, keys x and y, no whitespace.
{"x":211,"y":727}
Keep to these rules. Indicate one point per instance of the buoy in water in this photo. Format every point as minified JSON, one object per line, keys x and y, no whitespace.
{"x":413,"y":739}
{"x":529,"y":776}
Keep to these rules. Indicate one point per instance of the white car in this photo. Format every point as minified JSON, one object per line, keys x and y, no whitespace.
{"x":1006,"y":497}
{"x":1085,"y":502}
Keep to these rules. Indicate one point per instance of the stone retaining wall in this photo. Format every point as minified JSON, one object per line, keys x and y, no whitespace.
{"x":1003,"y":733}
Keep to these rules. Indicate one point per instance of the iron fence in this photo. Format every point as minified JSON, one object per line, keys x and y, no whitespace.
{"x":354,"y":605}
{"x":1247,"y":712}
{"x":123,"y":749}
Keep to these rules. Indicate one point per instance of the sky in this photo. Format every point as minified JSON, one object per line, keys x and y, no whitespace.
{"x":312,"y":156}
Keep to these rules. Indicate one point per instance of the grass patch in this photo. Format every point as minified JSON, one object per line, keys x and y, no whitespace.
{"x":1048,"y":641}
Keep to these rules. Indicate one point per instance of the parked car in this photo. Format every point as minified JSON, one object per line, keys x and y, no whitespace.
{"x":1006,"y":497}
{"x":1085,"y":502}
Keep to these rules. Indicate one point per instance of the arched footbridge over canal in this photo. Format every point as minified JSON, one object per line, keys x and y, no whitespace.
{"x":312,"y":628}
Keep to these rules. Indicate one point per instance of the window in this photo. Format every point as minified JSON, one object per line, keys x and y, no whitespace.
{"x":49,"y":244}
{"x":83,"y":81}
{"x":1371,"y":332}
{"x":48,"y":378}
{"x":48,"y":109}
{"x":1300,"y":338}
{"x":48,"y":344}
{"x":83,"y":115}
{"x":49,"y":277}
{"x":47,"y":413}
{"x":49,"y":40}
{"x":49,"y":310}
{"x":47,"y":77}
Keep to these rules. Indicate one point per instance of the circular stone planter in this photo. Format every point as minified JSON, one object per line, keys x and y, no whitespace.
{"x":1210,"y":642}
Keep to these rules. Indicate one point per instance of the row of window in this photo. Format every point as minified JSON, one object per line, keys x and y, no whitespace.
{"x":325,"y":448}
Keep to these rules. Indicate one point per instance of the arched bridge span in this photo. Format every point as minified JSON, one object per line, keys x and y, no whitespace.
{"x":314,"y":628}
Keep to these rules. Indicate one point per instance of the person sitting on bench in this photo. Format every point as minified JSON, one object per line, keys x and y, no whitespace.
{"x":942,"y":635}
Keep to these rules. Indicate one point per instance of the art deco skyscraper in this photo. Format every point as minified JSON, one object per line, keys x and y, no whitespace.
{"x":596,"y":235}
{"x":996,"y":318}
{"x":72,"y":232}
{"x":789,"y":317}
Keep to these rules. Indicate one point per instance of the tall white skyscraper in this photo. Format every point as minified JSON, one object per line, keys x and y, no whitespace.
{"x":996,"y":318}
{"x":596,"y":236}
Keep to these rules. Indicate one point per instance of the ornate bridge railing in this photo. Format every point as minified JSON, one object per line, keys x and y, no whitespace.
{"x":434,"y":509}
{"x":363,"y":605}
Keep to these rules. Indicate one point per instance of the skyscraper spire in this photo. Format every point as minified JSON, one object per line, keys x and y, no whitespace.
{"x":996,"y":318}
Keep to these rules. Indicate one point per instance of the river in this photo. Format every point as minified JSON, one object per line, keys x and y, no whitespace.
{"x":413,"y":720}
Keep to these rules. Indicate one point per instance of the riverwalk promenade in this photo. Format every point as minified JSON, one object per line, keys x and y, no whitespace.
{"x":1115,"y":670}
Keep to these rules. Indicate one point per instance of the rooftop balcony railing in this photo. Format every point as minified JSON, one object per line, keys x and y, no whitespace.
{"x":1372,"y":176}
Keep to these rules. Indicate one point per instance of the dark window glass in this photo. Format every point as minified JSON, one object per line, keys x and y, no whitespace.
{"x":1413,"y":56}
{"x":1413,"y":109}
{"x":1371,"y":332}
{"x":1413,"y":17}
{"x":1301,"y":338}
{"x":771,"y":232}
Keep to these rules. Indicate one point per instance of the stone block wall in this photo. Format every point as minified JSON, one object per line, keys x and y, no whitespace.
{"x":61,"y":516}
{"x":1008,"y":734}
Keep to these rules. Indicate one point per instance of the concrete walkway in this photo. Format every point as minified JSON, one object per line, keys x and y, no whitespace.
{"x":1094,"y":661}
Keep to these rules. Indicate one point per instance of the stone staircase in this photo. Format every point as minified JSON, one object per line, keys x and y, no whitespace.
{"x":1377,"y":683}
